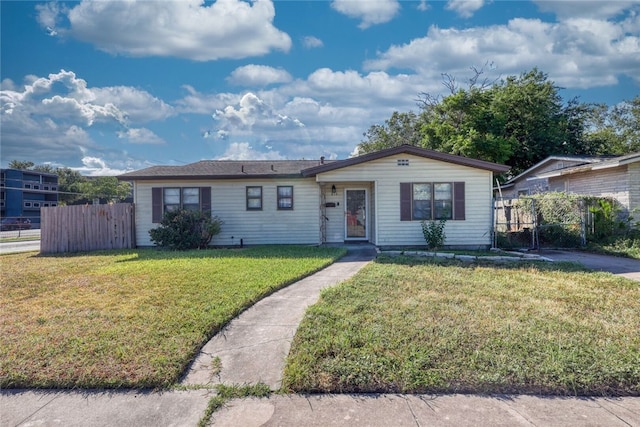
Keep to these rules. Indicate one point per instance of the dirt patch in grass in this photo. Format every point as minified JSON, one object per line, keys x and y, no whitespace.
{"x":433,"y":326}
{"x":130,"y":318}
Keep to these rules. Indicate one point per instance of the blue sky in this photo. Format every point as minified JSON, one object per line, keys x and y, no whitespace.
{"x":110,"y":86}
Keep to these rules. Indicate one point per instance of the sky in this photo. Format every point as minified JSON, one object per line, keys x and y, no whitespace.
{"x":105,"y":87}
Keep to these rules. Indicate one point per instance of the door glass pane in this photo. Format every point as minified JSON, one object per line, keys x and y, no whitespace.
{"x":356,"y":214}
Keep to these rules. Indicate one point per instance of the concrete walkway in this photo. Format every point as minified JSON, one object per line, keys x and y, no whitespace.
{"x":253,"y":348}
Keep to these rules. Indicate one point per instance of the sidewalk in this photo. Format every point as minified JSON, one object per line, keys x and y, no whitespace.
{"x":252,"y":348}
{"x":429,"y":410}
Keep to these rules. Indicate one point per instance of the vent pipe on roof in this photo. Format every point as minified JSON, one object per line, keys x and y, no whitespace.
{"x":242,"y":166}
{"x":272,"y":168}
{"x":322,"y":160}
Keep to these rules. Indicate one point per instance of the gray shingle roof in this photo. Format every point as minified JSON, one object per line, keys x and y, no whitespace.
{"x":229,"y":169}
{"x":225,"y":169}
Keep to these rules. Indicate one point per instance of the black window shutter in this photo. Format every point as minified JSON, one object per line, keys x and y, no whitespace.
{"x":406,"y":197}
{"x":205,"y":199}
{"x":156,"y":204}
{"x":458,"y":201}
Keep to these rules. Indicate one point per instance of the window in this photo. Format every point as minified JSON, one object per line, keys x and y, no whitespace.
{"x":181,"y":198}
{"x":442,"y":201}
{"x":429,"y":201}
{"x":172,"y":198}
{"x":191,"y":199}
{"x":421,"y":201}
{"x":254,"y":198}
{"x":285,"y":197}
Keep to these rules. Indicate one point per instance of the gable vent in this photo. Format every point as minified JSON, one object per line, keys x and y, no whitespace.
{"x":403,"y":162}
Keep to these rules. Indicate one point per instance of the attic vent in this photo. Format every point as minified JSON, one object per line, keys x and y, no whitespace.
{"x":403,"y":162}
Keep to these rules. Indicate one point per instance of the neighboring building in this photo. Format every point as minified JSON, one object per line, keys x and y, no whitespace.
{"x":24,"y":192}
{"x":617,"y":177}
{"x":379,"y":198}
{"x":529,"y":182}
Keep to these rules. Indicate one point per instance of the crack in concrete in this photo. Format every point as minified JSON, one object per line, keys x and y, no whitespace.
{"x":37,"y":410}
{"x":413,"y":414}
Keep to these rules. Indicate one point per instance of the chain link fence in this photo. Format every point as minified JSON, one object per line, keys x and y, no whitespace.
{"x":550,"y":220}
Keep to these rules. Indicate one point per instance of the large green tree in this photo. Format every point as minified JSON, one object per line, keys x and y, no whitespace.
{"x":518,"y":121}
{"x":69,"y":185}
{"x":106,"y":188}
{"x":614,"y":130}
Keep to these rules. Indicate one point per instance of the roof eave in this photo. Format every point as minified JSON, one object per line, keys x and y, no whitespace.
{"x":406,"y":149}
{"x":205,"y":177}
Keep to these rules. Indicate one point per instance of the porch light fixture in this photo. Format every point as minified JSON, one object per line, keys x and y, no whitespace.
{"x":333,"y":190}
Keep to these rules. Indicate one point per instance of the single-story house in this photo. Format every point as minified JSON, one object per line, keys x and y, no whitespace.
{"x":380,"y":198}
{"x":529,"y":182}
{"x":615,"y":177}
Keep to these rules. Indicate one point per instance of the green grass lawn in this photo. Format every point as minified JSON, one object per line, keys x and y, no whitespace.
{"x":429,"y":326}
{"x":130,"y":318}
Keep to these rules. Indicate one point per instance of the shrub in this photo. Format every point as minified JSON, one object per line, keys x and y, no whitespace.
{"x":185,"y":229}
{"x":433,"y":232}
{"x":606,"y":220}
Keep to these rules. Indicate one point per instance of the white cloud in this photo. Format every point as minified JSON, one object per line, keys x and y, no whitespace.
{"x":140,"y":106}
{"x":244,"y":151}
{"x":141,"y":136}
{"x":95,"y":166}
{"x":586,"y":8}
{"x":423,"y":6}
{"x":465,"y":8}
{"x":202,"y":103}
{"x":311,"y":42}
{"x":258,"y":75}
{"x":577,"y":53}
{"x":52,"y":118}
{"x":49,"y":15}
{"x":185,"y":29}
{"x":8,"y":84}
{"x":252,"y":114}
{"x":352,"y":88}
{"x":370,"y":12}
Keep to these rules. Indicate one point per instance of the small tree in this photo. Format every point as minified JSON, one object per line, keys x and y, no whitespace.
{"x":433,"y":232}
{"x":185,"y":229}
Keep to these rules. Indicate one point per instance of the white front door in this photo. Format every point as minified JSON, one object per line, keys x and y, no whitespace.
{"x":356,"y":216}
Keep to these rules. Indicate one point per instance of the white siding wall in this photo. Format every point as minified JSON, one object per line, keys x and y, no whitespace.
{"x":228,"y":201}
{"x":474,"y":231}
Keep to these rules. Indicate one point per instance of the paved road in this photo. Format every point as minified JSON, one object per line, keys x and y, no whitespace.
{"x":20,"y":246}
{"x":25,"y":246}
{"x":626,"y":267}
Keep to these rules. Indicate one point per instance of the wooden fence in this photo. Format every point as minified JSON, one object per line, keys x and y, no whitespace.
{"x":87,"y":228}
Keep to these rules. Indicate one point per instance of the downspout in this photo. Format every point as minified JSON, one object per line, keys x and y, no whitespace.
{"x":494,"y":239}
